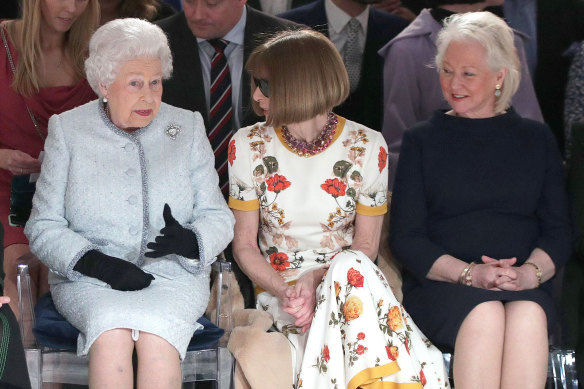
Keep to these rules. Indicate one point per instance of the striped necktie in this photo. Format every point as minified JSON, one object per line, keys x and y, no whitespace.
{"x":220,"y":112}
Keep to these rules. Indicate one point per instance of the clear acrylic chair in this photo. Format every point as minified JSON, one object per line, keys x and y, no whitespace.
{"x":561,"y":369}
{"x":48,"y":365}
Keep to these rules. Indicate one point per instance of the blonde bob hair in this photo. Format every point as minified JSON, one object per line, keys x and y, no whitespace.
{"x":27,"y":80}
{"x":496,"y":37}
{"x":306,"y":74}
{"x":123,"y":40}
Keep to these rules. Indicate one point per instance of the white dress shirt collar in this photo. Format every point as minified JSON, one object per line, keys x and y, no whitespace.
{"x":338,"y":19}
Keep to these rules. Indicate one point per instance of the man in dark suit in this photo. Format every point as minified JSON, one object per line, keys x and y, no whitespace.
{"x":331,"y":17}
{"x":198,"y":23}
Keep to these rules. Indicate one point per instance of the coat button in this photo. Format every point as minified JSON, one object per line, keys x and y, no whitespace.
{"x":132,"y":200}
{"x":134,"y":230}
{"x":129,"y":146}
{"x":131,"y":172}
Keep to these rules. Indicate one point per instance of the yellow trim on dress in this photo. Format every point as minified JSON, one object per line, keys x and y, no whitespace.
{"x":371,"y":211}
{"x":259,"y":289}
{"x":241,"y":205}
{"x":338,"y":131}
{"x":369,"y":378}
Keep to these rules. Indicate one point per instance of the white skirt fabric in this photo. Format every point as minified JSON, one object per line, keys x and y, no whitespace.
{"x":360,"y":336}
{"x":168,"y":308}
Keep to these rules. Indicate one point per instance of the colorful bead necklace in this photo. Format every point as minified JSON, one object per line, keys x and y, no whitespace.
{"x":308,"y":149}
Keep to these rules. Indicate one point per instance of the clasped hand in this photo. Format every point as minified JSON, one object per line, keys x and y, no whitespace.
{"x":173,"y":239}
{"x":300,"y":299}
{"x":500,"y":274}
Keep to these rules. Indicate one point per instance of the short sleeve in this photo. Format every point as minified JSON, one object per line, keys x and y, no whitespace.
{"x":372,"y":200}
{"x":242,"y":193}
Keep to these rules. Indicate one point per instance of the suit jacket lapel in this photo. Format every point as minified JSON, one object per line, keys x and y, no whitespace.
{"x":188,"y":58}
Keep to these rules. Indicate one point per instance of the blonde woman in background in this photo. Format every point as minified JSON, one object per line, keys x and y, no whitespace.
{"x":41,"y":67}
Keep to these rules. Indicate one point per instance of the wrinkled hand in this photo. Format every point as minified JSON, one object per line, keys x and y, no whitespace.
{"x":493,"y":273}
{"x":119,"y":274}
{"x":174,"y":239}
{"x":301,"y":298}
{"x":18,"y":162}
{"x":4,"y":300}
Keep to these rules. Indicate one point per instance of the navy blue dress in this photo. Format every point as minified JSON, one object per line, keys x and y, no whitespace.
{"x":473,"y":187}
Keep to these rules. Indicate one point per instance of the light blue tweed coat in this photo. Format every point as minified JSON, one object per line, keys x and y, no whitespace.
{"x":102,"y":188}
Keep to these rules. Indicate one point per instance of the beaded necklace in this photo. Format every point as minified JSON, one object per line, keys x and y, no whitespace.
{"x":308,"y":149}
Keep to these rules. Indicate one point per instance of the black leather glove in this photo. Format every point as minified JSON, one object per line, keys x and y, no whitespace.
{"x":175,"y":239}
{"x":119,"y":274}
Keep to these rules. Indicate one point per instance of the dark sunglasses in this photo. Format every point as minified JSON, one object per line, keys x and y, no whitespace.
{"x":263,"y":84}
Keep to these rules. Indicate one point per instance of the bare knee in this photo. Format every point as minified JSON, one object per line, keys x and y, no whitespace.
{"x":485,"y":320}
{"x":117,"y":342}
{"x":525,"y":316}
{"x":153,"y":347}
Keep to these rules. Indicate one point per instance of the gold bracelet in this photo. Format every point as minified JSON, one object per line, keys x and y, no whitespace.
{"x":466,"y":275}
{"x":538,"y":272}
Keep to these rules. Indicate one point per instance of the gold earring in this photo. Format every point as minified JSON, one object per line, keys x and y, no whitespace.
{"x":498,"y":90}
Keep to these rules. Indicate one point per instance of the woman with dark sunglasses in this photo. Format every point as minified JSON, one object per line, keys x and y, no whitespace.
{"x":311,"y":186}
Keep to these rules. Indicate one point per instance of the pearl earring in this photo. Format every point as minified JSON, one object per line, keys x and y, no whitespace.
{"x":497,"y":90}
{"x":104,"y":99}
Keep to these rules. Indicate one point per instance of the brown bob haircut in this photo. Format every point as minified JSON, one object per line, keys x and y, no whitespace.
{"x":306,"y":74}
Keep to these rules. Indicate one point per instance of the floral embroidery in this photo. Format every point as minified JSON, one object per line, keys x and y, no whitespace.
{"x":394,"y":320}
{"x":355,"y":278}
{"x":231,"y":152}
{"x":422,"y":377}
{"x":337,"y":289}
{"x":325,"y":353}
{"x":392,"y":352}
{"x":322,"y":360}
{"x":279,"y":261}
{"x":382,"y":158}
{"x":353,"y":308}
{"x":277,"y":183}
{"x":360,"y":336}
{"x":334,"y":187}
{"x":355,"y":349}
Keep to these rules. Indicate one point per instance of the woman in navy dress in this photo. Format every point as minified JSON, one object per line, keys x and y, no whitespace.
{"x":480,"y":214}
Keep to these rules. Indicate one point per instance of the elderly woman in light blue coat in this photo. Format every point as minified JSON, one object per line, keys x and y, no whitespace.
{"x":128,"y":215}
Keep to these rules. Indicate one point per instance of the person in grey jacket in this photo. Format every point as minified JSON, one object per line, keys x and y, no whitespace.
{"x":128,"y":214}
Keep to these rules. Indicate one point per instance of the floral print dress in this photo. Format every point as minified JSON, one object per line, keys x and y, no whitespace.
{"x":360,"y":335}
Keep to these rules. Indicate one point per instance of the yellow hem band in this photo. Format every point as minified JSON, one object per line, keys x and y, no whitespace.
{"x":241,"y":205}
{"x":369,"y":378}
{"x":371,"y":211}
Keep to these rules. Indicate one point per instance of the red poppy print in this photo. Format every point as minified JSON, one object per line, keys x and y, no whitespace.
{"x":360,"y":349}
{"x":325,"y":353}
{"x":231,"y":152}
{"x":360,"y":336}
{"x":279,"y":261}
{"x":355,"y":278}
{"x":382,"y":158}
{"x":334,"y":187}
{"x":277,"y":183}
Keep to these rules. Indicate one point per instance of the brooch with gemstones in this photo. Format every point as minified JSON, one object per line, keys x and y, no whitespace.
{"x":172,"y":131}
